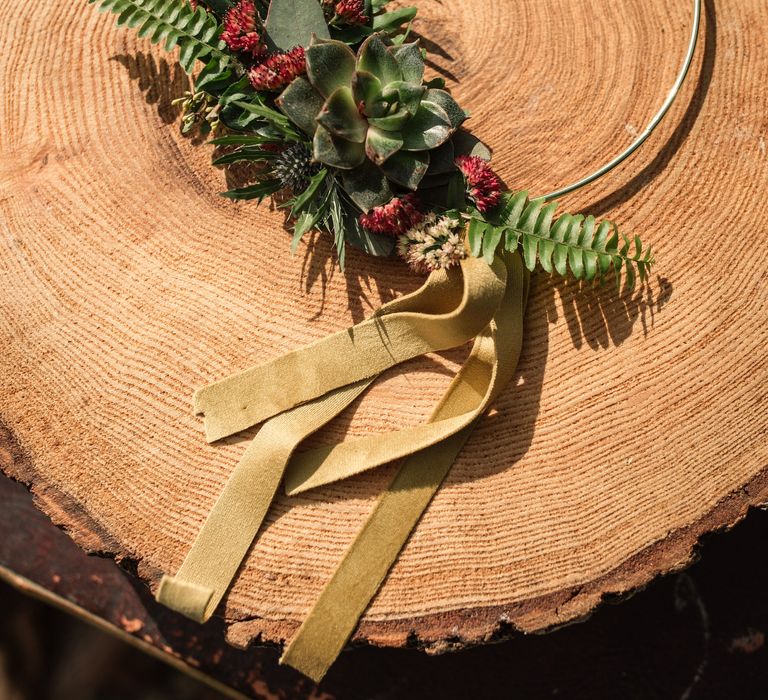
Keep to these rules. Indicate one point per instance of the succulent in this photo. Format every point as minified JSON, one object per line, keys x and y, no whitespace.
{"x":371,"y":115}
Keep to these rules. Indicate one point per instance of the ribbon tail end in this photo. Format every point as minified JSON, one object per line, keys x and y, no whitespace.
{"x":312,"y":668}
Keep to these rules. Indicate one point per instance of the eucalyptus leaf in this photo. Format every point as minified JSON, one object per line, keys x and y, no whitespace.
{"x":292,"y":23}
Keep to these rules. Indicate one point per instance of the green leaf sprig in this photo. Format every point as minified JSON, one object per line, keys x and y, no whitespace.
{"x":570,"y":243}
{"x":194,"y":31}
{"x":376,"y":129}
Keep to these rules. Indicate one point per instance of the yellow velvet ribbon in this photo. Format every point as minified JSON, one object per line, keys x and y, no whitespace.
{"x":305,"y":389}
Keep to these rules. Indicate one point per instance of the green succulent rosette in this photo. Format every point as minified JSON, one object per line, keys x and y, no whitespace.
{"x":372,"y":117}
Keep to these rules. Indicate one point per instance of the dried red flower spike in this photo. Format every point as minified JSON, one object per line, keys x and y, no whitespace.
{"x":483,"y":185}
{"x":351,"y":11}
{"x":396,"y":217}
{"x":277,"y":70}
{"x":241,"y":29}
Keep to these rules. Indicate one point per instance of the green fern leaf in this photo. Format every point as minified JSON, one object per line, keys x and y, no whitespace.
{"x":491,"y":241}
{"x":569,"y":243}
{"x":194,"y":31}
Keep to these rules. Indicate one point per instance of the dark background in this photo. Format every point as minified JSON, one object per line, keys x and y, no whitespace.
{"x":691,"y":635}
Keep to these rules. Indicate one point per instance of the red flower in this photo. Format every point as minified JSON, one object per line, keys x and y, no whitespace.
{"x":483,"y":185}
{"x":241,"y":25}
{"x":394,"y":218}
{"x":277,"y":70}
{"x":351,"y":11}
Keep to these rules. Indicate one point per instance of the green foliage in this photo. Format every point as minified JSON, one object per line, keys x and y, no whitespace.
{"x":244,"y":109}
{"x":373,"y":124}
{"x":292,"y":22}
{"x":216,"y":76}
{"x":588,"y":249}
{"x":392,"y":21}
{"x":195,"y":32}
{"x":324,"y":204}
{"x":371,"y":116}
{"x":258,"y":191}
{"x":220,"y":7}
{"x":395,"y":24}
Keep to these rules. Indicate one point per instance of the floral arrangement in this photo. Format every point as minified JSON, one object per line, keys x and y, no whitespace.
{"x":328,"y":103}
{"x":327,"y":100}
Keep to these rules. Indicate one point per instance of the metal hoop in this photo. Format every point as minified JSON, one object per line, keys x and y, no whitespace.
{"x":652,"y":124}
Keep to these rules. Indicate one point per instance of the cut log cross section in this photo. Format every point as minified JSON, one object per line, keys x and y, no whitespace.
{"x":637,"y":422}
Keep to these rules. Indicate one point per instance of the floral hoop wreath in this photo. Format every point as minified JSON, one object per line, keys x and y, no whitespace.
{"x":326,"y":101}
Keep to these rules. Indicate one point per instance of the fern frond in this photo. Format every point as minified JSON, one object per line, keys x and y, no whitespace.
{"x":571,"y":242}
{"x":194,"y":31}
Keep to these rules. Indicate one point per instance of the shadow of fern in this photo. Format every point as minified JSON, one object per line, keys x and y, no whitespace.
{"x":600,"y":315}
{"x":161,"y":81}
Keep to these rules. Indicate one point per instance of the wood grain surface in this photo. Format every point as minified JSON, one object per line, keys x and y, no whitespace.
{"x":698,"y":634}
{"x":638,"y":422}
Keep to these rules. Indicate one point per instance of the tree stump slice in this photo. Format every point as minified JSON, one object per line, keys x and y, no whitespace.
{"x":638,"y":421}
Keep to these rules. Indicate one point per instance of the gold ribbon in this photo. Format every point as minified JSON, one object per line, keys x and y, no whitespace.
{"x":310,"y":386}
{"x":441,"y":315}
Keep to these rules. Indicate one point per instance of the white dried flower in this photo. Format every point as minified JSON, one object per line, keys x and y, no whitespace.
{"x":434,"y":244}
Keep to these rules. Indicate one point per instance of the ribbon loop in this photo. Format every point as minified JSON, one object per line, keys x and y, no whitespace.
{"x":424,"y":322}
{"x":482,"y":378}
{"x":481,"y":301}
{"x":222,"y":543}
{"x":331,"y":463}
{"x":452,"y":302}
